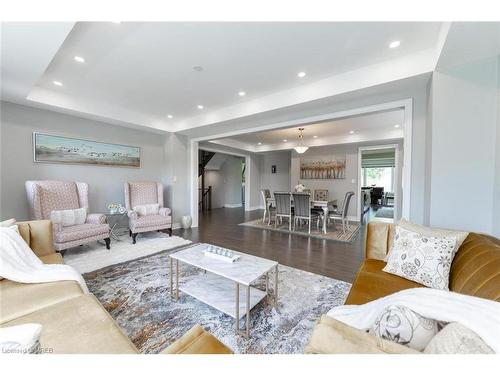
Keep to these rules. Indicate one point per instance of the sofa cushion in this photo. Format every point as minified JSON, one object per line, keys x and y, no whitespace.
{"x":152,"y":221}
{"x":54,"y":258}
{"x":372,"y":283}
{"x":331,"y":336}
{"x":81,"y":231}
{"x":78,"y":326}
{"x":197,"y":341}
{"x":19,"y":299}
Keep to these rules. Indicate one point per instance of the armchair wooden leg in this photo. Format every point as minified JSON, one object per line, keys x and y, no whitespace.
{"x":170,"y":231}
{"x":134,"y":235}
{"x":108,"y":242}
{"x":130,"y":233}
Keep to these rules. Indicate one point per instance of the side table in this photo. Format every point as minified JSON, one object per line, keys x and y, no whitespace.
{"x":114,"y":221}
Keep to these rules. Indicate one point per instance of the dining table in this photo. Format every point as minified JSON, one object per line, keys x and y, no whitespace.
{"x":324,"y":205}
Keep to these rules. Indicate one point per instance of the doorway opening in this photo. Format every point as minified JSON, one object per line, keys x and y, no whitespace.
{"x":221,"y":180}
{"x":380,"y":182}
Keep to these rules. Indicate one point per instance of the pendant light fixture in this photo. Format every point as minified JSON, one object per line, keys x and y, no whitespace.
{"x":300,"y":148}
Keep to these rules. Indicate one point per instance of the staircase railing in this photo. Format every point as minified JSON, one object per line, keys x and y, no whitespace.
{"x":205,"y":199}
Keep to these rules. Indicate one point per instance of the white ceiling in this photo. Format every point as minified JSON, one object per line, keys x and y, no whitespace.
{"x":138,"y":73}
{"x":370,"y":127}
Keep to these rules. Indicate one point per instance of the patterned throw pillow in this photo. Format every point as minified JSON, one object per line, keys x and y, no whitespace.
{"x":425,"y":260}
{"x":69,"y":217}
{"x":147,"y":209}
{"x":400,"y":324}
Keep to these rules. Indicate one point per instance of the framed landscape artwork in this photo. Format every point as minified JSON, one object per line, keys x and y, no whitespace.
{"x":322,"y":169}
{"x":57,"y":149}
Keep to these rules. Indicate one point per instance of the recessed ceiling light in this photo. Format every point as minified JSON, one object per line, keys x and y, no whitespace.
{"x":57,"y":83}
{"x":79,"y":59}
{"x":394,"y":44}
{"x":301,"y":74}
{"x":259,"y":143}
{"x":396,"y":126}
{"x":242,"y":93}
{"x":315,"y":136}
{"x":284,"y":140}
{"x":198,"y":68}
{"x":351,"y":132}
{"x":170,"y":116}
{"x":200,"y":106}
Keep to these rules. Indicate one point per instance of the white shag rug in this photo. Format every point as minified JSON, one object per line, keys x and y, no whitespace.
{"x":94,"y":256}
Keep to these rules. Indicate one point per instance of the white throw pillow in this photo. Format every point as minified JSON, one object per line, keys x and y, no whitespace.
{"x":425,"y":260}
{"x":400,"y":324}
{"x":20,"y":339}
{"x":69,"y":217}
{"x":455,"y":338}
{"x":433,"y":232}
{"x":11,"y":223}
{"x":147,"y":209}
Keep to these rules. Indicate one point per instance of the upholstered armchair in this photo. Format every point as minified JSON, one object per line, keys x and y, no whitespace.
{"x":144,"y":204}
{"x":47,"y":196}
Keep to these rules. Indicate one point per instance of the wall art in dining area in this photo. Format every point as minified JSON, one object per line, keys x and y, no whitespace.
{"x":333,"y":168}
{"x":57,"y":149}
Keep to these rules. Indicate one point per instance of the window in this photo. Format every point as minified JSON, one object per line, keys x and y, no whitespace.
{"x":379,"y":176}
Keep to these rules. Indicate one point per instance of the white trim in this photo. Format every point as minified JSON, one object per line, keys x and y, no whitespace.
{"x":406,"y":104}
{"x":312,"y":119}
{"x":232,"y":205}
{"x":176,"y":226}
{"x":253,"y":208}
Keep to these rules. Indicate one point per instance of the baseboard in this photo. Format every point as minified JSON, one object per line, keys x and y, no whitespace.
{"x":254,"y":208}
{"x":176,"y":226}
{"x":232,"y":205}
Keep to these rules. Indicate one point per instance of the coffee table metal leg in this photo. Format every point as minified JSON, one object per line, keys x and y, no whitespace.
{"x":248,"y":312}
{"x":171,"y":278}
{"x":276,"y":286}
{"x":237,"y":308}
{"x":177,"y":279}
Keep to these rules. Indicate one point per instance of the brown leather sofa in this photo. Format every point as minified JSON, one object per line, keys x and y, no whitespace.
{"x":74,"y":322}
{"x":475,"y":271}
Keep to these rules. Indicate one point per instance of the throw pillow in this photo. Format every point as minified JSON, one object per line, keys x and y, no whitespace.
{"x":20,"y":339}
{"x":425,"y":260}
{"x":433,"y":232}
{"x":147,"y":209}
{"x":11,"y":223}
{"x":457,"y":339}
{"x":69,"y":217}
{"x":404,"y":326}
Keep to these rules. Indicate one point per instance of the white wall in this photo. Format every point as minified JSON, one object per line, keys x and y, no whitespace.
{"x":279,"y":181}
{"x":496,"y":193}
{"x":106,"y":183}
{"x":464,"y":146}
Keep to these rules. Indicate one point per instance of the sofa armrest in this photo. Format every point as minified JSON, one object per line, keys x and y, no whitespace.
{"x":38,"y":235}
{"x":379,"y":237}
{"x":197,"y":341}
{"x":132,"y":215}
{"x":164,"y":211}
{"x":96,"y":219}
{"x":331,"y":336}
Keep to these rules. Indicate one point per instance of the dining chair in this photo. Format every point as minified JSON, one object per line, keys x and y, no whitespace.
{"x":321,"y":194}
{"x":283,"y":201}
{"x":342,"y":213}
{"x":268,"y":208}
{"x":302,"y":209}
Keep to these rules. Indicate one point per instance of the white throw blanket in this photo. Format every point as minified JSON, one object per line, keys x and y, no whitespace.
{"x":480,"y":315}
{"x":19,"y":263}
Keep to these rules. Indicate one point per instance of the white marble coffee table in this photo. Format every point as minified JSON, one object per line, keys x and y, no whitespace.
{"x":219,"y":286}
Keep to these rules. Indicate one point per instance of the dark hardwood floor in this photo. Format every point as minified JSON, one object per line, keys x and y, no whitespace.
{"x":330,"y":258}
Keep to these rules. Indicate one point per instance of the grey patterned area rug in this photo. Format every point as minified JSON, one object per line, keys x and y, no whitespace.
{"x":333,"y":232}
{"x":136,"y":294}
